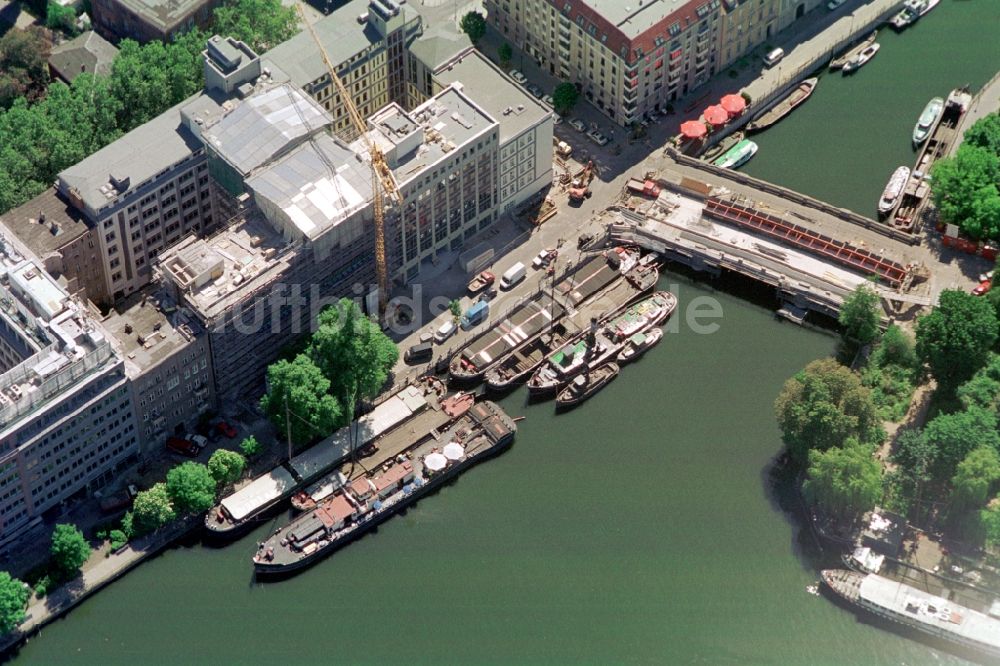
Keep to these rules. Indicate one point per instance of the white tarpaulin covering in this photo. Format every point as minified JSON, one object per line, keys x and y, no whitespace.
{"x":454,"y":451}
{"x":435,"y":462}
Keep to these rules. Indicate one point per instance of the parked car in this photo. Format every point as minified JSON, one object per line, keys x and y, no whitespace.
{"x":833,"y":4}
{"x":544,"y":258}
{"x":597,"y":137}
{"x":578,"y":125}
{"x":419,"y":353}
{"x":535,"y":90}
{"x":982,"y":288}
{"x":518,"y":76}
{"x":548,"y":100}
{"x":185,"y":447}
{"x":556,"y":119}
{"x":446,"y":330}
{"x":226,"y":429}
{"x":988,"y":275}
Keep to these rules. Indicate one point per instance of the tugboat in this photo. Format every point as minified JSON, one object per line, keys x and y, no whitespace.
{"x":599,"y":344}
{"x":586,"y":385}
{"x":639,"y":344}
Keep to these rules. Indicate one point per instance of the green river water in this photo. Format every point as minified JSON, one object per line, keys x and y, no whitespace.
{"x":645,"y":526}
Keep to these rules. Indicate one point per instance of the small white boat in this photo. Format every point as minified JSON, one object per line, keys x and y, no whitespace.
{"x":911,"y":11}
{"x":638,"y":344}
{"x":890,"y":195}
{"x":928,"y":117}
{"x":738,"y":155}
{"x":857,"y":61}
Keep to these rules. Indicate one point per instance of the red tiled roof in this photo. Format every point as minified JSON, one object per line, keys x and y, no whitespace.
{"x":393,"y":475}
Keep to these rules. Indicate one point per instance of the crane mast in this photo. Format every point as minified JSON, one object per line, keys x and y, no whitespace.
{"x":383,"y":182}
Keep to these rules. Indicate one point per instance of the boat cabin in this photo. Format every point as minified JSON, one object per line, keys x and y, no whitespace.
{"x":390,"y":480}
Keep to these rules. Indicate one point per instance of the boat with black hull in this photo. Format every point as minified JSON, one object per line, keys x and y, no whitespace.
{"x":452,"y":407}
{"x":936,"y":616}
{"x":585,"y":385}
{"x":530,"y":319}
{"x":599,"y":344}
{"x":240,"y":511}
{"x":797,"y":96}
{"x":518,"y":366}
{"x":370,"y":498}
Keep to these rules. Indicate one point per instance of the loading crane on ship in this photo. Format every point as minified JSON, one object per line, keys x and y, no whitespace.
{"x":383,"y":183}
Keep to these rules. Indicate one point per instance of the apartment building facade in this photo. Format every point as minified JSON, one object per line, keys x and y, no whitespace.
{"x":629,"y":58}
{"x":66,"y":419}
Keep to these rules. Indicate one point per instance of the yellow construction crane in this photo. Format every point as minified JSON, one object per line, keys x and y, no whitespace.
{"x":382,"y":179}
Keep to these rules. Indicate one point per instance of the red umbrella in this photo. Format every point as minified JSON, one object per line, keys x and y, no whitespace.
{"x":733,"y":104}
{"x":716,"y":115}
{"x":692,"y":129}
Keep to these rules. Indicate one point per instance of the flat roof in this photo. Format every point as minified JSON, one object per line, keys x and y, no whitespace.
{"x":216,"y":272}
{"x":139,"y":155}
{"x":165,"y":13}
{"x":265,"y":124}
{"x":32,"y":222}
{"x":318,"y":185}
{"x":152,"y":316}
{"x":448,"y":121}
{"x":930,"y":610}
{"x":380,"y":420}
{"x":508,"y":103}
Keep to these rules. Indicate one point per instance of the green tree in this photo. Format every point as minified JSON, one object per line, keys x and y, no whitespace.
{"x":302,"y":387}
{"x":989,"y":519}
{"x":565,"y":97}
{"x":263,"y":24}
{"x":58,"y":17}
{"x":13,"y":599}
{"x":954,"y":436}
{"x":985,"y":133}
{"x":191,"y":487}
{"x":896,"y":348}
{"x":505,"y":53}
{"x":860,"y":315}
{"x":151,"y":510}
{"x":964,"y":188}
{"x":250,"y":447}
{"x":455,"y":307}
{"x":23,"y":65}
{"x":914,"y":456}
{"x":975,"y":478}
{"x":226,"y":466}
{"x":955,"y":336}
{"x":352,"y":352}
{"x":118,"y":539}
{"x":984,"y":387}
{"x":473,"y":24}
{"x":843,"y":481}
{"x":823,"y":405}
{"x":69,"y":549}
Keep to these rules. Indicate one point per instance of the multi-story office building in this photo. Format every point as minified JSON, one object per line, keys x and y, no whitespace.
{"x":630,"y":57}
{"x":169,"y":365}
{"x":66,"y":418}
{"x":368,"y":42}
{"x":150,"y":20}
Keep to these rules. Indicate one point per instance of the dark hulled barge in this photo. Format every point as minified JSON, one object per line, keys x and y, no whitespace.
{"x":370,"y":498}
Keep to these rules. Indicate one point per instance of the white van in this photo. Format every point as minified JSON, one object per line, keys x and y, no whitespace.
{"x":513,"y":275}
{"x":774,"y":57}
{"x":446,"y":331}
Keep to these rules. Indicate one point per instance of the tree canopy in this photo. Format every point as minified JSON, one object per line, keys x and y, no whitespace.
{"x":152,"y":509}
{"x":975,"y":478}
{"x":823,"y":405}
{"x":24,"y":70}
{"x":59,"y":17}
{"x":860,"y":315}
{"x":191,"y":487}
{"x":955,"y":336}
{"x":954,"y":436}
{"x":914,"y":456}
{"x":250,"y":447}
{"x":505,"y":53}
{"x":352,"y":352}
{"x":965,"y":192}
{"x":843,"y":481}
{"x":69,"y":549}
{"x":13,"y":599}
{"x":985,"y":133}
{"x":473,"y":24}
{"x":314,"y":413}
{"x":565,"y":97}
{"x":226,"y":466}
{"x":989,"y":519}
{"x":262,"y":24}
{"x":983,"y":389}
